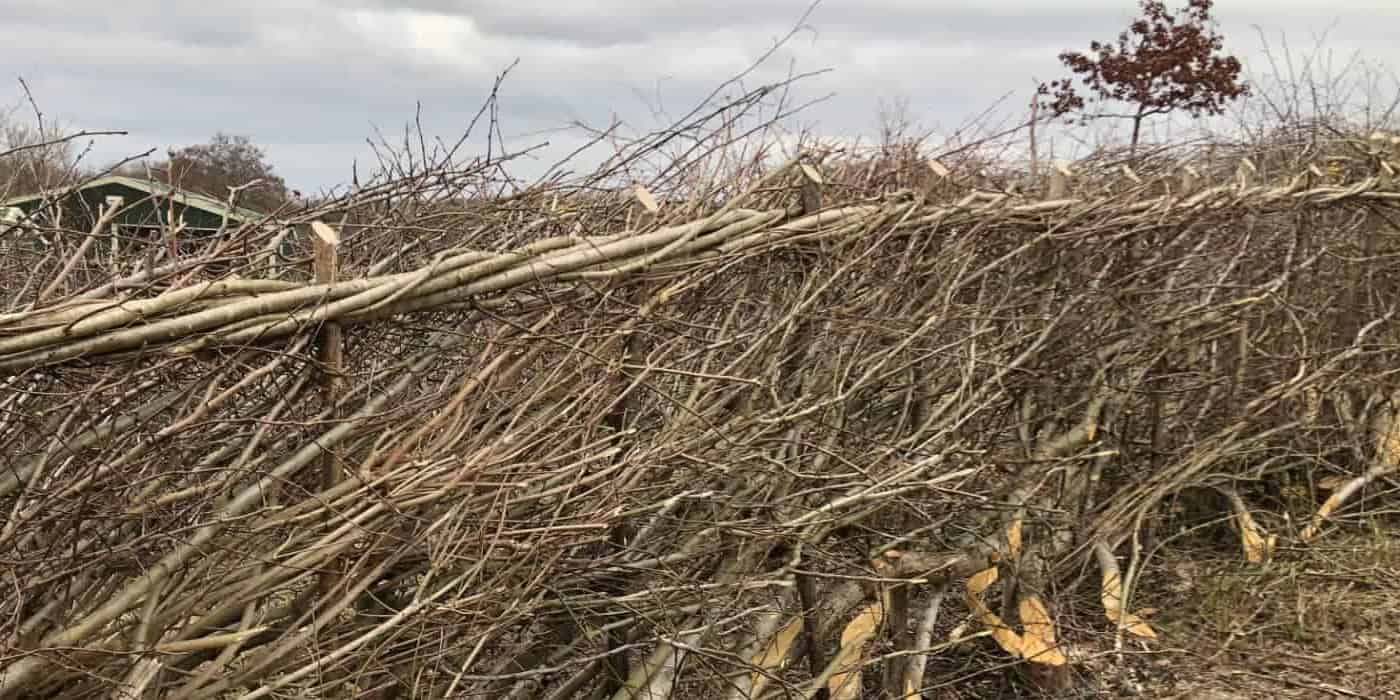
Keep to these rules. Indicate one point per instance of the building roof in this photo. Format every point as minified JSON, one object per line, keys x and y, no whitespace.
{"x":150,"y":187}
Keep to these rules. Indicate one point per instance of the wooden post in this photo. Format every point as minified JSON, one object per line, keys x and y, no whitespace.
{"x":113,"y":234}
{"x":1245,"y":174}
{"x":1190,"y":180}
{"x":1035,"y":155}
{"x":811,"y":192}
{"x":330,"y":339}
{"x":273,"y":254}
{"x":1059,"y":181}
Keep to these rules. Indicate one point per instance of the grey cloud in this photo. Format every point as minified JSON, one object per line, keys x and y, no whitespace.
{"x":609,"y":22}
{"x":308,"y":78}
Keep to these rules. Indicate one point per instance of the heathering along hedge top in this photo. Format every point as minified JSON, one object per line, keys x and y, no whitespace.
{"x":239,"y":311}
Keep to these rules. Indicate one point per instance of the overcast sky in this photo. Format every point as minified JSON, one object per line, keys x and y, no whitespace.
{"x":311,"y":79}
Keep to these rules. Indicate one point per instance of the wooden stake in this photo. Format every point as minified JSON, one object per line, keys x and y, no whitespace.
{"x":330,"y":340}
{"x":811,"y":192}
{"x":1190,"y":180}
{"x":1035,"y":155}
{"x":1059,"y":181}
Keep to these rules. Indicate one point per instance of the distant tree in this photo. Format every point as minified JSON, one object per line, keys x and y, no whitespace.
{"x":32,"y":157}
{"x":1164,"y":62}
{"x":226,"y":161}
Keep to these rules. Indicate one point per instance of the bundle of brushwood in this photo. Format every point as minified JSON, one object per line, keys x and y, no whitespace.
{"x":724,"y":446}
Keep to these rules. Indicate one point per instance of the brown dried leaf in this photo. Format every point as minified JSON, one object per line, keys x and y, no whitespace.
{"x":1038,"y":641}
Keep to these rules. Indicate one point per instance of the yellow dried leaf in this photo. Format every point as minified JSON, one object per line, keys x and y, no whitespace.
{"x":1321,"y":515}
{"x":881,"y":567}
{"x":845,"y":684}
{"x":775,"y":653}
{"x":1332,"y":483}
{"x":1388,"y":442}
{"x":1258,"y":547}
{"x":1036,"y":618}
{"x":812,"y":173}
{"x":938,"y":168}
{"x":645,"y":197}
{"x":1312,"y":396}
{"x":1038,"y":641}
{"x":1005,"y":637}
{"x":1013,"y":538}
{"x":1002,"y":633}
{"x":1112,"y":593}
{"x":1327,"y":507}
{"x":1134,"y":625}
{"x":981,"y":581}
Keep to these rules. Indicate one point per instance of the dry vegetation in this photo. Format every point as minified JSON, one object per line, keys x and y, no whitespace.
{"x":769,"y":426}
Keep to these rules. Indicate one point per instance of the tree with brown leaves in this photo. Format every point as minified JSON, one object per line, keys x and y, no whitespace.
{"x":225,"y":162}
{"x":1164,"y":62}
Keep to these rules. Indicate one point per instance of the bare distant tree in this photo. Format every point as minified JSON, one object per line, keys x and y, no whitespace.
{"x":33,"y":157}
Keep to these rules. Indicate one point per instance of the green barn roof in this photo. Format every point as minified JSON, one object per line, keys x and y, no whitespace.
{"x":212,"y":209}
